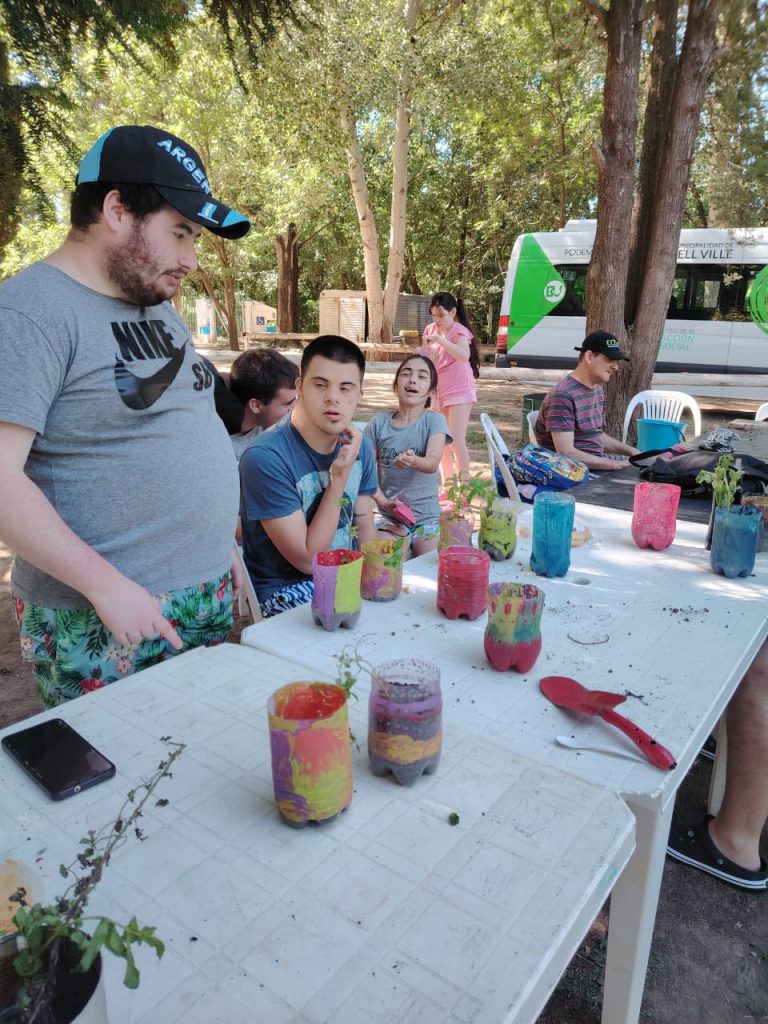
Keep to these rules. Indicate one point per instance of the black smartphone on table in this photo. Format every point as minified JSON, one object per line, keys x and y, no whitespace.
{"x":59,"y":759}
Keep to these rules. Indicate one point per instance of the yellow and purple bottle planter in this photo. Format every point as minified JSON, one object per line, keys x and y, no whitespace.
{"x":382,"y":578}
{"x":513,"y":634}
{"x":336,"y":599}
{"x":311,"y":751}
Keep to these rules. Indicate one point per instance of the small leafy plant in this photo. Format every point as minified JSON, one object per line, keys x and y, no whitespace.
{"x":46,"y":930}
{"x":723,"y":480}
{"x":348,"y":519}
{"x":462,"y":491}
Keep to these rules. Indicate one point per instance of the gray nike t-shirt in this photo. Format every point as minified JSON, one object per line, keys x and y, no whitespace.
{"x":129,"y":448}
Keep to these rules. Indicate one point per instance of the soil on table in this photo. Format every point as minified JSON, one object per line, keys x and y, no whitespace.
{"x":709,"y":959}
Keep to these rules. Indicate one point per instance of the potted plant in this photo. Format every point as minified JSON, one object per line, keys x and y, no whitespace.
{"x":50,"y":965}
{"x":734,"y":529}
{"x":457,"y":523}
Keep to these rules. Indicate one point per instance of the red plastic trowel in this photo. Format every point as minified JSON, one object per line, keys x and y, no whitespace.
{"x":567,"y":693}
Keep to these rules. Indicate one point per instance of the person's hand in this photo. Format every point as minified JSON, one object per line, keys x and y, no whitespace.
{"x":407,"y":460}
{"x":349,"y":447}
{"x":386,"y":505}
{"x":614,"y":465}
{"x":132,"y":614}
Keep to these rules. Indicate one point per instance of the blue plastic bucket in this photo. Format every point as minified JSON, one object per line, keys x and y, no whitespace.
{"x":653,"y":434}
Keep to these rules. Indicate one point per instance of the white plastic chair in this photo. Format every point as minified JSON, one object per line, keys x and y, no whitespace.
{"x":247,"y":602}
{"x":762,"y":412}
{"x":533,"y":415}
{"x":497,"y":449}
{"x":663,"y":405}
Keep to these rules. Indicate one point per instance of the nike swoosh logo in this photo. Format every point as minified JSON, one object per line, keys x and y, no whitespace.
{"x":142,"y":392}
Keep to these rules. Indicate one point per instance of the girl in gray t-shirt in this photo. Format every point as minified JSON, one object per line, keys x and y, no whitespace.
{"x":409,"y":444}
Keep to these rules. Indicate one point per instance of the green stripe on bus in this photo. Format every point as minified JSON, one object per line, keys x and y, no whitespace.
{"x":538,"y":288}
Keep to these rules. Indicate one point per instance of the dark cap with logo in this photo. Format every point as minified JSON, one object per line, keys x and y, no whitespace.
{"x":143,"y":155}
{"x":602,"y":343}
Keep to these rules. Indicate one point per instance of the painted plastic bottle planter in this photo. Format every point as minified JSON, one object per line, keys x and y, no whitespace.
{"x":498,"y":529}
{"x":382,"y":578}
{"x":513,"y":634}
{"x":405,"y":712}
{"x":654,"y":516}
{"x":735,"y":539}
{"x":455,"y":530}
{"x":311,"y":751}
{"x":462,"y":582}
{"x":553,"y":514}
{"x":336,"y":600}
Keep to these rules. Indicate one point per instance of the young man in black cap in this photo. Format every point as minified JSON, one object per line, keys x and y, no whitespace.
{"x":118,"y":486}
{"x":572,"y":416}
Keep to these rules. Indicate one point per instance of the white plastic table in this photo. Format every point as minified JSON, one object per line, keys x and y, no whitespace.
{"x":658,"y":625}
{"x":387,"y":914}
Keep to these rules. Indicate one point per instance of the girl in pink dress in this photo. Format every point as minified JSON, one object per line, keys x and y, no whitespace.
{"x":450,"y":344}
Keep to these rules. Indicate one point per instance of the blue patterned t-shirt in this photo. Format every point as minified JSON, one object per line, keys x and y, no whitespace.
{"x":279,"y":475}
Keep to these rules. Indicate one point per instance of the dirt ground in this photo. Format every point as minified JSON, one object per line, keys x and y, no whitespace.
{"x":709,"y":960}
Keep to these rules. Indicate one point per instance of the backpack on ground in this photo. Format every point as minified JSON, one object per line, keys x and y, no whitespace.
{"x":665,"y":466}
{"x":546,"y":469}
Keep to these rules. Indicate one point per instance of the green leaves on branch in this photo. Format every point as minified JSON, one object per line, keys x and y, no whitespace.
{"x":723,"y":480}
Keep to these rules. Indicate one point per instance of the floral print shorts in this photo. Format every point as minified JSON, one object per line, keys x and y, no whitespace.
{"x":74,"y":653}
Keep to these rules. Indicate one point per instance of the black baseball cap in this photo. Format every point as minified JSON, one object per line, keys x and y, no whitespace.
{"x":602,"y":343}
{"x":143,"y":155}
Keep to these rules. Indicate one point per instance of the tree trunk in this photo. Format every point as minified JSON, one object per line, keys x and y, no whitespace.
{"x":287,"y":250}
{"x":365,"y":218}
{"x":665,"y":202}
{"x":13,"y":157}
{"x":398,"y":207}
{"x":658,"y":113}
{"x":615,"y":158}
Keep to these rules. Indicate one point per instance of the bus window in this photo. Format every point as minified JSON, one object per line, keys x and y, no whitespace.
{"x":703,"y":292}
{"x":739,"y":281}
{"x":676,"y":310}
{"x":573,"y":302}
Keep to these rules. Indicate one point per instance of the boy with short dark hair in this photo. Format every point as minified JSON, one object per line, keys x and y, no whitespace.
{"x":307,"y":481}
{"x":264,"y":381}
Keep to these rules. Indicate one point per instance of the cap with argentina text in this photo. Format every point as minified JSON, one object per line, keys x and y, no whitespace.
{"x":143,"y":155}
{"x":603,"y":343}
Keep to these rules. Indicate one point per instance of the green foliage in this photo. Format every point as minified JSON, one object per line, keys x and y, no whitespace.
{"x":463,"y":490}
{"x":46,"y":929}
{"x":723,"y":480}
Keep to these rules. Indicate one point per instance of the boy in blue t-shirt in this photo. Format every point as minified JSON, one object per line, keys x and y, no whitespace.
{"x":307,"y":480}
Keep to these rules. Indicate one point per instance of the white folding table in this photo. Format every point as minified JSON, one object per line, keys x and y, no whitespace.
{"x":389,"y":913}
{"x":660,"y":626}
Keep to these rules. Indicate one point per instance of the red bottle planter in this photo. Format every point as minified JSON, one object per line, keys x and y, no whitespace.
{"x":462,"y":582}
{"x":654,"y":519}
{"x":513,"y":634}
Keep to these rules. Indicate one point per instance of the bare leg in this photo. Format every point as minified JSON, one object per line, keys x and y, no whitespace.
{"x":736,"y":829}
{"x":424,"y":544}
{"x":458,"y":421}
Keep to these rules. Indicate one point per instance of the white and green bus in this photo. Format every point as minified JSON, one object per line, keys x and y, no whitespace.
{"x":717,"y":321}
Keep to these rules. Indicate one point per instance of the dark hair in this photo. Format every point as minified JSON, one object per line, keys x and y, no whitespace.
{"x":87,"y":201}
{"x":334,"y":347}
{"x":432,"y":373}
{"x":448,"y":302}
{"x":260,"y":373}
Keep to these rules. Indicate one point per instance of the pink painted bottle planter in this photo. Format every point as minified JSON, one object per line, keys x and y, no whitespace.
{"x":462,"y":582}
{"x":336,"y":599}
{"x":382,"y":578}
{"x":513,"y":634}
{"x":654,"y":519}
{"x":311,"y":751}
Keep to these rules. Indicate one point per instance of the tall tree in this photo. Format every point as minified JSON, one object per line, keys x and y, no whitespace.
{"x":655,"y":202}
